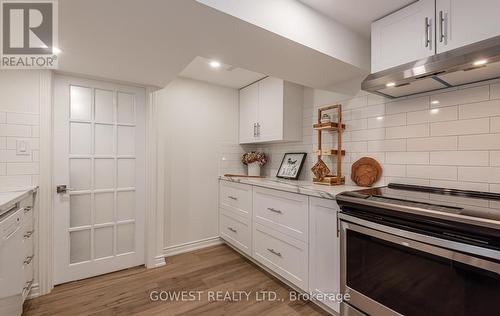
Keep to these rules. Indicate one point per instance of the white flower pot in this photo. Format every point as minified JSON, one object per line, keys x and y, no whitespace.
{"x":254,"y":169}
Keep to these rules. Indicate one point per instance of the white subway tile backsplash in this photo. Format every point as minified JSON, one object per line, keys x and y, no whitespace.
{"x":479,"y":142}
{"x":22,"y":118}
{"x":495,"y":124}
{"x":465,"y":127}
{"x":495,"y":158}
{"x":15,"y":182}
{"x":394,"y":170}
{"x":3,"y":169}
{"x":3,"y":117}
{"x":475,"y":186}
{"x":7,"y":155}
{"x":433,"y":143}
{"x":33,"y":143}
{"x":495,"y":91}
{"x":355,"y":125}
{"x":460,"y":158}
{"x":414,"y":158}
{"x":433,"y":115}
{"x":479,"y":174}
{"x":376,"y":99}
{"x":461,"y":96}
{"x":432,"y":172}
{"x":23,"y":168}
{"x":408,"y":131}
{"x":369,"y":111}
{"x":15,"y":130}
{"x":3,"y":142}
{"x":407,"y":105}
{"x":387,"y":120}
{"x":368,"y":134}
{"x":387,"y":145}
{"x":481,"y":109}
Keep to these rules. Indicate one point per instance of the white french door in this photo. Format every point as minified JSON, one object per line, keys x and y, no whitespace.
{"x":99,"y":152}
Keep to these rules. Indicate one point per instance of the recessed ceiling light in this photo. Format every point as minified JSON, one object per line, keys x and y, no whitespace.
{"x":434,"y":111}
{"x":390,"y":84}
{"x":434,"y":102}
{"x":380,"y":118}
{"x":56,"y":50}
{"x":480,"y":62}
{"x":215,"y":64}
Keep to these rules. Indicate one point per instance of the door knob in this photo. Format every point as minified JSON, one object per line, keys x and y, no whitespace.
{"x":63,"y":188}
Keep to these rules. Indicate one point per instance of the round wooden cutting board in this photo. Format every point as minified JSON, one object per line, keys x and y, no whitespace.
{"x":366,"y":171}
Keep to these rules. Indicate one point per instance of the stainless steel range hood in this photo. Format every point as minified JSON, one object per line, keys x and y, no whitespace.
{"x":472,"y":63}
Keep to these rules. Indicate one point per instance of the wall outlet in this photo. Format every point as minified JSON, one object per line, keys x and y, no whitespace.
{"x":22,"y":148}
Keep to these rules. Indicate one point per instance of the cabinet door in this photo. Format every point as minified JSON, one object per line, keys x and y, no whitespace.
{"x":270,"y":109}
{"x":404,"y":36}
{"x":324,"y":250}
{"x":463,"y":22}
{"x":249,"y":103}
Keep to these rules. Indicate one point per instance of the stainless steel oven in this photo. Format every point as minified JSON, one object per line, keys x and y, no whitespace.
{"x":390,"y":270}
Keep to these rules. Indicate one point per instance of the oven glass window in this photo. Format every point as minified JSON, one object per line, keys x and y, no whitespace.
{"x":412,"y":282}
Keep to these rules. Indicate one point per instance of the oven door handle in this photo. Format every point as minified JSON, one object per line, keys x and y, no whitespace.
{"x":424,"y":247}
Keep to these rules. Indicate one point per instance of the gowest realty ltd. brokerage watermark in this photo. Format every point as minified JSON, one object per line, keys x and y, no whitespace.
{"x":28,"y":34}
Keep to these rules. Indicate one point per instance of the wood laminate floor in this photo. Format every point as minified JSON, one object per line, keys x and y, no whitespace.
{"x":212,"y":270}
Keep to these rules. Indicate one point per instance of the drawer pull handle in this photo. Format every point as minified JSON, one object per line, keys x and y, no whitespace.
{"x":233,"y":198}
{"x":28,"y":260}
{"x":28,"y":285}
{"x":28,"y":234}
{"x":27,"y":209}
{"x":274,"y":252}
{"x":232,"y":229}
{"x":275,"y":210}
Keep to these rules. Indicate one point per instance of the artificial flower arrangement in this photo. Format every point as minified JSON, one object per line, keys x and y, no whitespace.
{"x":254,"y":156}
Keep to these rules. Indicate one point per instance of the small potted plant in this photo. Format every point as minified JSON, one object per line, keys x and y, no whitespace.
{"x":254,"y":160}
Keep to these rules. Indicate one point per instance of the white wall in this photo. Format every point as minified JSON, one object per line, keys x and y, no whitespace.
{"x":198,"y":127}
{"x":19,"y":120}
{"x":455,"y":143}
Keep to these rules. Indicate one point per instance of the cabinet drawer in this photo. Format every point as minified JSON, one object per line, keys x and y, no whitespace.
{"x":236,"y":230}
{"x":28,"y":219}
{"x":28,"y":269}
{"x":282,"y":211}
{"x":280,"y":253}
{"x":236,"y":198}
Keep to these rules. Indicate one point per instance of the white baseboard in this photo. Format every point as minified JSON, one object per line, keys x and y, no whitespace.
{"x":190,"y":246}
{"x":35,"y":292}
{"x":159,"y":261}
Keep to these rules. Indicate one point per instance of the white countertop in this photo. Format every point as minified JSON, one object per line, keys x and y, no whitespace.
{"x":294,"y":186}
{"x":8,"y":198}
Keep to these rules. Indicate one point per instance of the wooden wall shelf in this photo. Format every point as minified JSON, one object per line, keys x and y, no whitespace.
{"x":331,"y":127}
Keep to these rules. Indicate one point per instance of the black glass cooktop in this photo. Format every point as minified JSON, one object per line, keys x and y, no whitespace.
{"x":482,"y":208}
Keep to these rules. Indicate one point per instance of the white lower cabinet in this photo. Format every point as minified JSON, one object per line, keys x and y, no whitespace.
{"x":292,"y":235}
{"x":324,"y":250}
{"x":282,"y":254}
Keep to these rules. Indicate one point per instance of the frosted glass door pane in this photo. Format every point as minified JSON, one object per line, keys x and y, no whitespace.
{"x":80,"y":173}
{"x":126,"y":108}
{"x":79,"y":210}
{"x":104,"y":173}
{"x":79,"y":246}
{"x":125,"y":238}
{"x":81,"y":138}
{"x":104,"y":205}
{"x":126,"y":140}
{"x":126,"y":173}
{"x":104,"y":109}
{"x":80,"y":103}
{"x":103,"y":242}
{"x":104,"y":140}
{"x":125,"y":205}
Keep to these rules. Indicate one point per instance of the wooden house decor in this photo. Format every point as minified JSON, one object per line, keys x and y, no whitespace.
{"x":334,"y":127}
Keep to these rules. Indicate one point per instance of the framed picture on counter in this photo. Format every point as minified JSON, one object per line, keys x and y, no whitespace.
{"x":291,"y":165}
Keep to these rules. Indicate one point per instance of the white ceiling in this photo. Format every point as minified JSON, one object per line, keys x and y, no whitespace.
{"x":226,"y":75}
{"x":356,"y":14}
{"x":151,"y":42}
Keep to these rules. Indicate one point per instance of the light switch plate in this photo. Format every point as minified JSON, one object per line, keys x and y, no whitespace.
{"x":22,"y":148}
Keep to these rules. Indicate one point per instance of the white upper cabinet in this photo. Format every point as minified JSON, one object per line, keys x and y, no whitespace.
{"x":463,"y":22}
{"x":271,"y":111}
{"x":404,"y":36}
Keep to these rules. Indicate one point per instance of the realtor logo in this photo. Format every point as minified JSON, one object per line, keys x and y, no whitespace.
{"x":29,"y":34}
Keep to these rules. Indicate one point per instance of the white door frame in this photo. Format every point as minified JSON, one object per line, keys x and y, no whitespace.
{"x":154,"y":224}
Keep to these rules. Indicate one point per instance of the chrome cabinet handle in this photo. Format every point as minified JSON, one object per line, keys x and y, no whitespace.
{"x":27,"y":209}
{"x":254,"y":129}
{"x":28,"y":260}
{"x":28,"y":234}
{"x":258,"y":129}
{"x":275,"y":210}
{"x":233,"y":198}
{"x":427,"y":37}
{"x":441,"y":27}
{"x":28,"y":285}
{"x":274,"y":252}
{"x":232,"y":229}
